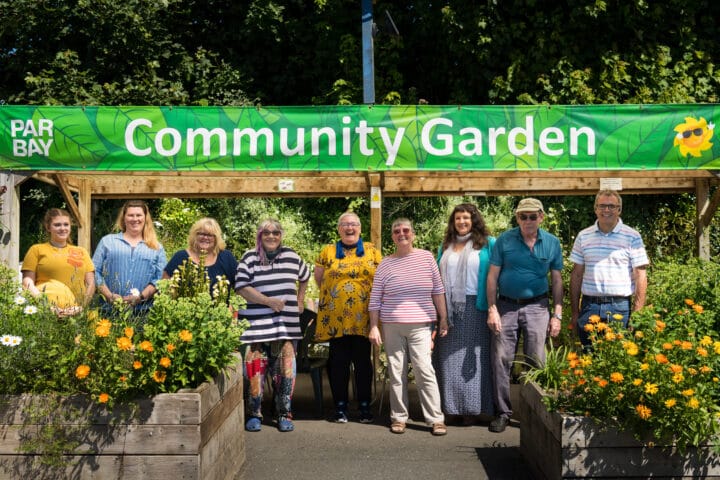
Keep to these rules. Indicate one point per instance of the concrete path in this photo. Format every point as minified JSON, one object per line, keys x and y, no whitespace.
{"x":319,"y":449}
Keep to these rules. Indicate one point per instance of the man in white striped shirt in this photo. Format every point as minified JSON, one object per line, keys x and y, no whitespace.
{"x":609,"y":268}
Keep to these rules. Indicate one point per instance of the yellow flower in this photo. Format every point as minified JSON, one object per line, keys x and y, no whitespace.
{"x":633,"y":350}
{"x":659,"y":325}
{"x":716,"y":348}
{"x":651,"y":388}
{"x":146,"y":346}
{"x":585,"y":361}
{"x":693,"y":403}
{"x":137,"y":365}
{"x":602,"y":327}
{"x":702,"y":351}
{"x":692,"y":371}
{"x":637,"y":382}
{"x":186,"y":335}
{"x":706,"y":341}
{"x":124,"y":343}
{"x":617,"y":316}
{"x":678,"y":377}
{"x":670,"y":402}
{"x":639,"y":334}
{"x":594,"y":318}
{"x":644,"y":367}
{"x":82,"y":371}
{"x":610,"y":336}
{"x":589,"y":327}
{"x":102,"y":331}
{"x":170,"y":348}
{"x":616,"y":377}
{"x":103,"y":398}
{"x":92,"y":315}
{"x":688,"y":393}
{"x":705,"y":369}
{"x":159,"y":376}
{"x":129,"y":332}
{"x":643,"y":411}
{"x":165,"y":362}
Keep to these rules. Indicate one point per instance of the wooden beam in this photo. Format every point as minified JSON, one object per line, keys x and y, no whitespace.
{"x":708,"y":212}
{"x":375,"y":183}
{"x":69,"y":199}
{"x":85,"y":210}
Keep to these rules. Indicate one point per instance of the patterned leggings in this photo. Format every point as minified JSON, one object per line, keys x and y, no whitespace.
{"x":278,"y":360}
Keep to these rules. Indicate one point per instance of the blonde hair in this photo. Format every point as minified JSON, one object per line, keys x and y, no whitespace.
{"x":54,"y":213}
{"x":149,"y":235}
{"x":209,"y":225}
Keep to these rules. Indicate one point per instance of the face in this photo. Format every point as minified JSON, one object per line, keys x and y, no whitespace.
{"x":134,"y":220}
{"x":607,"y":210}
{"x":463,"y":223}
{"x":529,"y":221}
{"x":349,"y":229}
{"x":271,"y":238}
{"x":60,"y":229}
{"x":204,"y":241}
{"x":403,"y":235}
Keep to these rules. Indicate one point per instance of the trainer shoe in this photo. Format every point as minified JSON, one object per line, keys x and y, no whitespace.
{"x":499,"y":424}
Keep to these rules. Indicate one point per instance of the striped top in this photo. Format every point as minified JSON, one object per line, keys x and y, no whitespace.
{"x":403,"y":288}
{"x":609,"y":259}
{"x":277,"y":279}
{"x":123,"y":267}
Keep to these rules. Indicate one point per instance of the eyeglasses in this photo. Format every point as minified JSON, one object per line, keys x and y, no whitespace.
{"x":404,"y":230}
{"x":206,"y":235}
{"x":275,"y":233}
{"x":532,"y":217}
{"x":607,"y":206}
{"x":697,"y":132}
{"x":349,"y":224}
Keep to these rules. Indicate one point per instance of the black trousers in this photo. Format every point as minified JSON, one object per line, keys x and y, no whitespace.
{"x":345,"y":350}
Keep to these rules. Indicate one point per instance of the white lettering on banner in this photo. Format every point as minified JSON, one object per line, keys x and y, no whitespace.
{"x":27,"y":147}
{"x":436,"y":138}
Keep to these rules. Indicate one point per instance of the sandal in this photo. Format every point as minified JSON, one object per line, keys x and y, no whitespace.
{"x":439,"y":429}
{"x":254,"y":424}
{"x":397,"y":427}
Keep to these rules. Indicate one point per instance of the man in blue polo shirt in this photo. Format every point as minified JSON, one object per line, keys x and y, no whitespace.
{"x":609,"y":268}
{"x":517,"y":294}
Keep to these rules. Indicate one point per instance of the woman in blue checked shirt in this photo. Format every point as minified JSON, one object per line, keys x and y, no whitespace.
{"x":128,"y":264}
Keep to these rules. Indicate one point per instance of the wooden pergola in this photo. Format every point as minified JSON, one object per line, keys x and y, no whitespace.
{"x":80,"y":188}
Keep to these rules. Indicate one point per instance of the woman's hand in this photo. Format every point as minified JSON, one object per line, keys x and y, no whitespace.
{"x":374,"y":336}
{"x":443,"y":327}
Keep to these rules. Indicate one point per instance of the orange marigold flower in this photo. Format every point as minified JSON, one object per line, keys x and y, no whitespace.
{"x":620,"y":396}
{"x":159,"y":376}
{"x":582,"y":381}
{"x":639,"y":334}
{"x":616,"y":377}
{"x":689,"y":302}
{"x":667,"y":346}
{"x":702,"y":351}
{"x":82,"y":371}
{"x":677,"y":342}
{"x":643,"y":411}
{"x":137,"y":365}
{"x":102,"y":331}
{"x":692,"y":371}
{"x":589,"y":327}
{"x":705,"y":369}
{"x":123,"y":378}
{"x":129,"y":332}
{"x":675,"y":368}
{"x":578,"y":372}
{"x":572,"y":356}
{"x":603,"y":383}
{"x":146,"y":346}
{"x":669,"y":403}
{"x":594,"y":318}
{"x":610,"y":336}
{"x":660,"y":358}
{"x":637,"y":382}
{"x":685,"y":345}
{"x":659,"y":325}
{"x":698,"y":308}
{"x":186,"y":335}
{"x":165,"y":362}
{"x":170,"y":348}
{"x":124,"y":343}
{"x":103,"y":398}
{"x":573,"y":363}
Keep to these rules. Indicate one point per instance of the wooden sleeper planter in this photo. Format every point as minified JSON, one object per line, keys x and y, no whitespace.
{"x":564,"y":446}
{"x":192,"y":434}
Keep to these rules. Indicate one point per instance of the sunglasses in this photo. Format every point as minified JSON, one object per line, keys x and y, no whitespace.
{"x":697,"y":132}
{"x":532,"y":217}
{"x":275,"y":233}
{"x":404,"y":230}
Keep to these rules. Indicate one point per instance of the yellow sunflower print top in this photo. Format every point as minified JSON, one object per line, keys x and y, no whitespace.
{"x":345,"y":292}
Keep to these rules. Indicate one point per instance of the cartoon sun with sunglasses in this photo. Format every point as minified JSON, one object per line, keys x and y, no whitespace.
{"x":693,"y":136}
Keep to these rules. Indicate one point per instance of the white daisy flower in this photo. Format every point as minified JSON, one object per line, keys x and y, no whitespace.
{"x":6,"y":340}
{"x":134,"y":292}
{"x":15,"y":341}
{"x":20,"y":300}
{"x":30,"y":309}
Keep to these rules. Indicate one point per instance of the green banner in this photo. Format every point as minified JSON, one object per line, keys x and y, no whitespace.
{"x":359,"y":137}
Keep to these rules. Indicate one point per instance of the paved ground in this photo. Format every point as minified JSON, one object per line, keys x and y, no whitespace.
{"x":319,"y":449}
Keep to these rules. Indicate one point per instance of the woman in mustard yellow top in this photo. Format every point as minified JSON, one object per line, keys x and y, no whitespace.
{"x":344,"y":273}
{"x":63,"y":272}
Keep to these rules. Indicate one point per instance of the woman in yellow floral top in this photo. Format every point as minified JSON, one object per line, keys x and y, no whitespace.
{"x":344,"y":272}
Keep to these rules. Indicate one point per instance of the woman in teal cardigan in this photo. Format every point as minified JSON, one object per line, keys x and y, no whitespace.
{"x":462,"y":358}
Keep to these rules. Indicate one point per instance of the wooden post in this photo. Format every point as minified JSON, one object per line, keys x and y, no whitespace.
{"x":375,"y":181}
{"x":85,"y":211}
{"x":10,"y":219}
{"x":702,"y":219}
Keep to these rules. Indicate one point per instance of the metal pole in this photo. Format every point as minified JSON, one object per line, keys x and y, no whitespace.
{"x":368,"y":55}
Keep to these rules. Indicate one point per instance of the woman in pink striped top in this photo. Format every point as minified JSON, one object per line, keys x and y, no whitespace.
{"x":409,"y":298}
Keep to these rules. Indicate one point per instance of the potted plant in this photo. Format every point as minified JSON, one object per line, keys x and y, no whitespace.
{"x":87,"y":391}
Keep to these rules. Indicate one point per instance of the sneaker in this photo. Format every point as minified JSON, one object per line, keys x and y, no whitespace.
{"x":285,"y":424}
{"x":499,"y":424}
{"x":366,"y":416}
{"x":253,"y":424}
{"x":340,"y":417}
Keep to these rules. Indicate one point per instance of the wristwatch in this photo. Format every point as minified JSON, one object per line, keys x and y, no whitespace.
{"x":555,"y":315}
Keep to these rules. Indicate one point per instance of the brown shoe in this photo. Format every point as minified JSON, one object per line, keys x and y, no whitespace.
{"x":397,"y":427}
{"x":439,"y":429}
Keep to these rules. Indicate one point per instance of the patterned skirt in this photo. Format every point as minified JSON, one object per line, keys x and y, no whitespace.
{"x":462,"y":364}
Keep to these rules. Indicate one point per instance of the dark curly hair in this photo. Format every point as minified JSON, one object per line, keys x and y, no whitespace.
{"x":479,"y":231}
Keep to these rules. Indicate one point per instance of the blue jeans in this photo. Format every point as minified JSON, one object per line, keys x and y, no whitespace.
{"x":606,"y":308}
